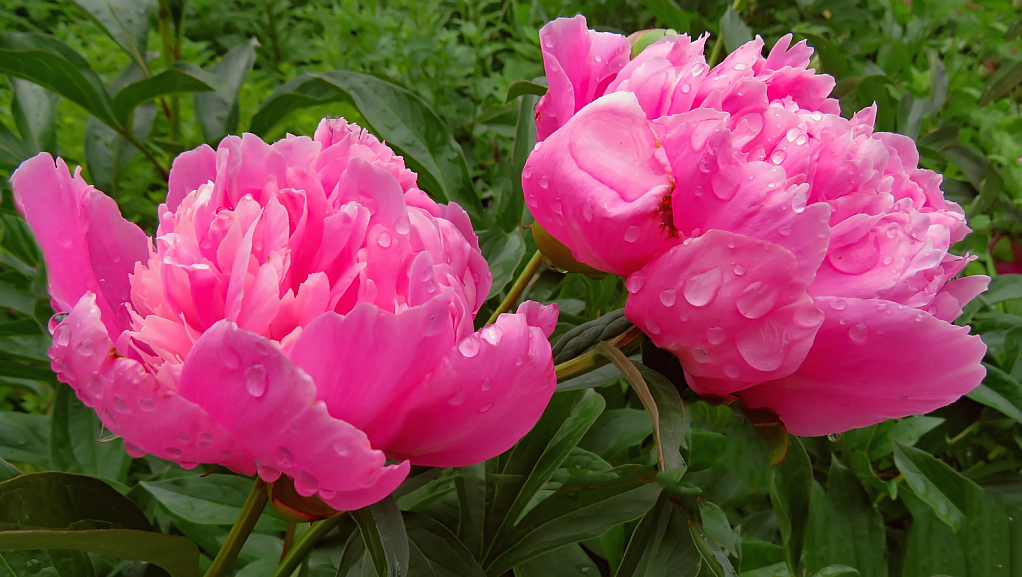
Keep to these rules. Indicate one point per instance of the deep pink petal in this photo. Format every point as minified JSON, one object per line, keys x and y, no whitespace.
{"x":190,"y":170}
{"x":366,"y":362}
{"x":88,"y":246}
{"x":255,"y":392}
{"x":873,"y":360}
{"x":149,"y":415}
{"x":596,"y":185}
{"x":488,"y":391}
{"x":729,"y":307}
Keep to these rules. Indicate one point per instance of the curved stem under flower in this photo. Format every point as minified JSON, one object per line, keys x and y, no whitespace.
{"x":242,"y":528}
{"x":300,"y":550}
{"x":519,"y":287}
{"x":593,"y":359}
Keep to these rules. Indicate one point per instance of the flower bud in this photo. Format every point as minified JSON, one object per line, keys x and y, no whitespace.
{"x":558,"y":256}
{"x":294,"y":507}
{"x":644,"y":38}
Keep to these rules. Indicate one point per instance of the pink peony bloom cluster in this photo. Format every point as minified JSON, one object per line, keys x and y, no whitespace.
{"x":305,"y":310}
{"x":786,"y":255}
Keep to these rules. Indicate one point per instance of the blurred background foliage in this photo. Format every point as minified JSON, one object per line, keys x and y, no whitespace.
{"x":927,"y":495}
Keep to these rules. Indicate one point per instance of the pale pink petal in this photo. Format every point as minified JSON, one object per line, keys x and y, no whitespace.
{"x":953,"y":296}
{"x":150,"y":416}
{"x":873,"y":360}
{"x":255,"y":392}
{"x":579,"y":63}
{"x":190,"y":170}
{"x":729,"y":307}
{"x":366,"y":362}
{"x":488,"y":391}
{"x":597,"y":185}
{"x":88,"y":246}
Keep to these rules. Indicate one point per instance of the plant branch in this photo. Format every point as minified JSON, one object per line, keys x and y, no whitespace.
{"x":242,"y":528}
{"x":126,"y":133}
{"x":519,"y":287}
{"x":300,"y":550}
{"x":593,"y":359}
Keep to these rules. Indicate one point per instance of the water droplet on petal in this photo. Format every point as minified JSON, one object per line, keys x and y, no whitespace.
{"x":739,"y":270}
{"x":527,"y":171}
{"x":491,"y":334}
{"x":85,"y":348}
{"x":668,"y":297}
{"x":700,"y":354}
{"x":686,"y":88}
{"x":762,"y":346}
{"x":174,"y":452}
{"x":206,"y":439}
{"x":598,"y":58}
{"x":859,"y":333}
{"x":817,"y":116}
{"x":756,"y":300}
{"x":256,"y":380}
{"x":184,"y":438}
{"x":284,"y":458}
{"x":888,"y":260}
{"x":457,"y":398}
{"x":146,"y":404}
{"x":732,"y":371}
{"x":485,"y":407}
{"x":792,"y":134}
{"x":267,"y":473}
{"x":469,"y":347}
{"x":808,"y":317}
{"x":229,"y":357}
{"x":636,"y":281}
{"x":371,"y":478}
{"x":802,"y":139}
{"x":834,"y":437}
{"x":61,"y":336}
{"x":342,"y":449}
{"x":306,"y":484}
{"x":487,"y":385}
{"x":785,"y":230}
{"x":778,"y":156}
{"x":520,"y":360}
{"x":838,"y":305}
{"x":725,"y":184}
{"x":632,"y":234}
{"x":401,"y":225}
{"x":543,"y":180}
{"x":587,"y":210}
{"x":715,"y":335}
{"x":652,"y":327}
{"x":555,"y":207}
{"x":384,"y":239}
{"x":702,"y":288}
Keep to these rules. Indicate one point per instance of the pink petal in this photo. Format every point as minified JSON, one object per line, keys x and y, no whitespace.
{"x":255,"y":392}
{"x":487,"y":393}
{"x":88,"y":246}
{"x":190,"y":170}
{"x":596,"y":185}
{"x":366,"y":362}
{"x":729,"y":307}
{"x":579,"y":63}
{"x":873,"y":360}
{"x":152,"y":417}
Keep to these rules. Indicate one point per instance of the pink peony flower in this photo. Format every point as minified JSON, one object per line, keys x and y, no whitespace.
{"x":783,"y":253}
{"x":306,"y":310}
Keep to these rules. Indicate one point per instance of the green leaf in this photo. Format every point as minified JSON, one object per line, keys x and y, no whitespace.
{"x":394,"y":114}
{"x":73,"y":441}
{"x":59,"y":563}
{"x":178,"y":555}
{"x":972,"y":164}
{"x":63,"y":501}
{"x":616,"y":430}
{"x":523,"y":87}
{"x":844,"y":526}
{"x":25,"y":439}
{"x":832,"y":57}
{"x":179,"y":77}
{"x":534,"y":460}
{"x":525,"y":141}
{"x":715,"y":559}
{"x":435,"y":551}
{"x":910,"y":114}
{"x":791,"y":484}
{"x":217,"y":112}
{"x":35,"y":113}
{"x":733,"y":30}
{"x":668,"y":13}
{"x":935,"y":483}
{"x":383,"y":533}
{"x":12,"y":149}
{"x":906,"y":431}
{"x":661,"y":545}
{"x":595,"y":378}
{"x":1002,"y":82}
{"x":1000,"y":391}
{"x":585,"y":336}
{"x":718,"y":528}
{"x":835,"y":570}
{"x":7,"y":471}
{"x":126,"y":21}
{"x":991,"y":190}
{"x":503,"y":252}
{"x":54,"y":65}
{"x":570,"y":560}
{"x":210,"y":500}
{"x":574,"y":512}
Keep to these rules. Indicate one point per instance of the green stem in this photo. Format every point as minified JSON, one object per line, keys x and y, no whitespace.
{"x":519,"y":287}
{"x":169,"y":57}
{"x":272,"y":31}
{"x":593,"y":359}
{"x":718,"y":46}
{"x":242,"y":528}
{"x":300,"y":550}
{"x":126,"y":133}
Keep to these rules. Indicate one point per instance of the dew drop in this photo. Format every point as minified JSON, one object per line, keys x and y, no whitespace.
{"x":342,"y":449}
{"x":816,"y":116}
{"x":808,"y":317}
{"x":802,"y":139}
{"x":146,"y":404}
{"x":184,"y":438}
{"x":256,"y":380}
{"x":284,"y":458}
{"x":587,"y":210}
{"x":371,"y":478}
{"x":487,"y":385}
{"x":491,"y":334}
{"x":715,"y":335}
{"x":838,"y":305}
{"x":229,"y":357}
{"x":859,"y":333}
{"x":97,"y":386}
{"x":543,"y":180}
{"x":778,"y":156}
{"x":457,"y":398}
{"x":668,"y":297}
{"x":739,"y":270}
{"x":730,"y":242}
{"x":725,"y":184}
{"x":686,"y":88}
{"x":469,"y":347}
{"x":598,"y":58}
{"x":756,"y":300}
{"x":762,"y":346}
{"x":792,"y":134}
{"x":632,"y":234}
{"x":556,"y":208}
{"x":700,"y":354}
{"x":267,"y":473}
{"x":527,"y":171}
{"x":834,"y":437}
{"x":306,"y":484}
{"x":739,"y":66}
{"x":485,"y":407}
{"x":888,"y":260}
{"x":85,"y":348}
{"x":401,"y":225}
{"x":206,"y":439}
{"x":701,"y":289}
{"x":785,"y":230}
{"x":652,"y":327}
{"x":732,"y":371}
{"x":174,"y":452}
{"x":61,"y":336}
{"x":384,"y":239}
{"x":636,"y":281}
{"x":519,"y":361}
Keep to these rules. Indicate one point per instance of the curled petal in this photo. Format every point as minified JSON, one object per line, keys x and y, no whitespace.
{"x":873,"y":360}
{"x":258,"y":394}
{"x":88,"y":246}
{"x":488,"y":391}
{"x":149,"y":415}
{"x":596,"y":185}
{"x":190,"y":170}
{"x":729,"y":307}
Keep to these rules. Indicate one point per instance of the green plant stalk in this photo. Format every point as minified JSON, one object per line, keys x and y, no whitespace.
{"x":300,"y":550}
{"x":519,"y":287}
{"x":593,"y":359}
{"x":272,"y":31}
{"x":170,"y":56}
{"x":126,"y":133}
{"x":242,"y":528}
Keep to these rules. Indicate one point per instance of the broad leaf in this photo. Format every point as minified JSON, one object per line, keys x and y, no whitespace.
{"x":383,"y":533}
{"x":180,"y":77}
{"x":74,"y":441}
{"x":733,"y":30}
{"x":217,"y":112}
{"x":35,"y":113}
{"x":503,"y":252}
{"x":178,"y":555}
{"x":25,"y":439}
{"x":569,"y":560}
{"x":661,"y":545}
{"x":435,"y":551}
{"x":935,"y":483}
{"x":524,"y":87}
{"x":210,"y":500}
{"x":791,"y":484}
{"x":126,"y":21}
